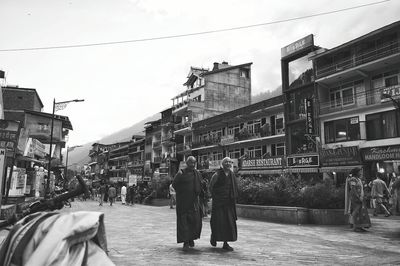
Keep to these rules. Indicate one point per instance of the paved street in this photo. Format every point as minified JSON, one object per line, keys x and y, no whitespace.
{"x":145,"y":235}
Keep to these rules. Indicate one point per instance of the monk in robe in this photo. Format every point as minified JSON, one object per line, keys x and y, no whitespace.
{"x":223,"y":188}
{"x":187,"y":185}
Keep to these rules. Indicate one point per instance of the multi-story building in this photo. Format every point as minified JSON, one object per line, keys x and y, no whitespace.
{"x":358,"y":92}
{"x":25,"y":106}
{"x":209,"y":93}
{"x":253,"y":136}
{"x":169,"y":161}
{"x":118,"y":161}
{"x":298,"y":88}
{"x":99,"y":160}
{"x":136,"y":159}
{"x":153,"y":151}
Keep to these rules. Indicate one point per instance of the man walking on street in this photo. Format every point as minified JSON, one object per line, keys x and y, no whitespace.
{"x":187,"y":184}
{"x":123,"y":194}
{"x":102,"y":192}
{"x":378,"y":191}
{"x":223,"y":188}
{"x":112,"y":193}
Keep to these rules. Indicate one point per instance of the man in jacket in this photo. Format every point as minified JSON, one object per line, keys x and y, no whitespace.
{"x":187,"y":185}
{"x":112,"y":193}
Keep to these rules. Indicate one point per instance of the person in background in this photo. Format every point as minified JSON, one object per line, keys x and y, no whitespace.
{"x":395,"y":191}
{"x":378,"y":191}
{"x":223,"y":187}
{"x":123,"y":194}
{"x":172,"y":196}
{"x":187,"y":184}
{"x":354,"y":202}
{"x":112,"y":193}
{"x":102,"y":192}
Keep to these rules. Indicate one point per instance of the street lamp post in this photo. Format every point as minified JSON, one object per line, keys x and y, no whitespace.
{"x":61,"y":104}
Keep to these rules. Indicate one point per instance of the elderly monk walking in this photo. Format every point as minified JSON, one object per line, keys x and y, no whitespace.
{"x":223,"y":188}
{"x":187,"y":185}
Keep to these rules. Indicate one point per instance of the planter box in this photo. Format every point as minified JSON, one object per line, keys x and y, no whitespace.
{"x":327,"y":216}
{"x":292,"y":215}
{"x":279,"y":214}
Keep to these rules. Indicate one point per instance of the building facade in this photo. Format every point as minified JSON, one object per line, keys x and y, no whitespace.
{"x":358,"y":93}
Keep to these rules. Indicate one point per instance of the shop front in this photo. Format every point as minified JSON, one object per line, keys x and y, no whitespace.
{"x":382,"y":159}
{"x":337,"y":163}
{"x":305,"y":166}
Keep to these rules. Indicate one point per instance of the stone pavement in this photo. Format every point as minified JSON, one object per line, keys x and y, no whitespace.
{"x":146,"y":235}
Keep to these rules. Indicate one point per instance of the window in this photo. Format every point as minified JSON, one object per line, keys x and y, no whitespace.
{"x":244,"y":73}
{"x":280,"y":149}
{"x":343,"y":95}
{"x":383,"y":125}
{"x":234,"y":154}
{"x":216,"y":156}
{"x":254,"y":152}
{"x":342,"y":130}
{"x":232,"y":130}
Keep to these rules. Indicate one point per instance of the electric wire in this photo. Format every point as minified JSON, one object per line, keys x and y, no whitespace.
{"x":193,"y":33}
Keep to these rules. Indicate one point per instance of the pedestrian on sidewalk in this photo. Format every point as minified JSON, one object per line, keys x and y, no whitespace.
{"x":123,"y":194}
{"x":112,"y":193}
{"x":131,"y":195}
{"x":172,"y":196}
{"x":378,"y":191}
{"x":187,"y":184}
{"x":354,"y":202}
{"x":223,"y":188}
{"x":102,"y":192}
{"x":395,"y":209}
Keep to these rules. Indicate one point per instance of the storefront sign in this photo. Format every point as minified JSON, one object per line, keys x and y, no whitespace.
{"x":40,"y":127}
{"x":303,"y":161}
{"x":393,"y":91}
{"x":309,"y":117}
{"x":9,"y":133}
{"x":297,"y":46}
{"x":266,"y":163}
{"x":340,"y":156}
{"x":225,"y":140}
{"x":381,"y":153}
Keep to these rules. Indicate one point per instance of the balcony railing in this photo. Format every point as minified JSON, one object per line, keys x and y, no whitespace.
{"x":168,"y":137}
{"x":367,"y":98}
{"x":183,"y":125}
{"x":157,"y":144}
{"x":183,"y":147}
{"x":207,"y":142}
{"x":357,"y":59}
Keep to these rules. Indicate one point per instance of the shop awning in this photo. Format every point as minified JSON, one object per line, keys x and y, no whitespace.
{"x":261,"y":172}
{"x":302,"y":170}
{"x":340,"y":169}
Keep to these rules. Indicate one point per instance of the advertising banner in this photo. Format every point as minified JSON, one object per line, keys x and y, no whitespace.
{"x":297,"y":46}
{"x":309,"y":116}
{"x":9,"y":134}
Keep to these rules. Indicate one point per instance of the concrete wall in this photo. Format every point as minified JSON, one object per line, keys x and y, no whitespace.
{"x":18,"y":99}
{"x":226,"y":91}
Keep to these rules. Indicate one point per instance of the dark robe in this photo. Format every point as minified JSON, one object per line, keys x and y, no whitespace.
{"x":187,"y":185}
{"x":223,"y":190}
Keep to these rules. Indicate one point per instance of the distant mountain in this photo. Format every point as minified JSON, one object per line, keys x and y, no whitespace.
{"x":80,"y":155}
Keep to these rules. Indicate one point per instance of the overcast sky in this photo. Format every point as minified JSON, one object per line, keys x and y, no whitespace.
{"x":125,"y":83}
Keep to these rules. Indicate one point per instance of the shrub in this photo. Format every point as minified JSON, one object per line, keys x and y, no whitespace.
{"x":289,"y":191}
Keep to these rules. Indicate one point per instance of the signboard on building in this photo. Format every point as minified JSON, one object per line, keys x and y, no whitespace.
{"x":393,"y":91}
{"x":225,"y":140}
{"x":381,"y":153}
{"x":297,"y":46}
{"x":40,"y":127}
{"x":9,"y":134}
{"x":309,"y":117}
{"x":340,"y":156}
{"x":265,"y":163}
{"x":303,"y":161}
